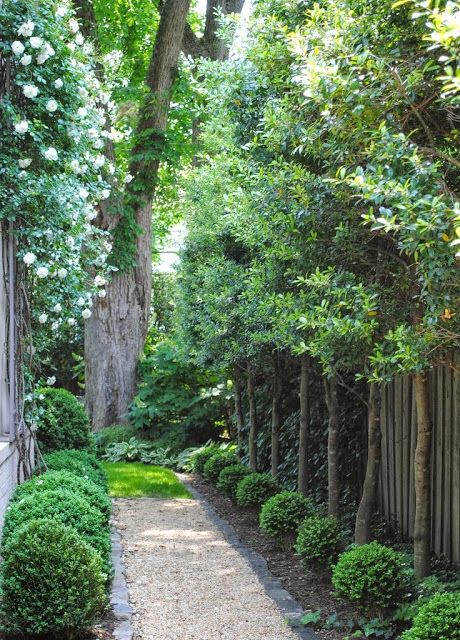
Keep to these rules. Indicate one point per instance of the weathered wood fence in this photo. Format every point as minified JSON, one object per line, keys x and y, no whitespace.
{"x":399,"y":431}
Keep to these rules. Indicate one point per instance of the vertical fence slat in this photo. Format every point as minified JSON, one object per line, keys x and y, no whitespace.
{"x":456,"y":461}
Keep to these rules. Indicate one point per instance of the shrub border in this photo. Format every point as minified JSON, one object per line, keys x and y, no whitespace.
{"x":288,"y":606}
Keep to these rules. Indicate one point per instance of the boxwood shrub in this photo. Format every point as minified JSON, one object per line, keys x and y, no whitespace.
{"x":63,"y":422}
{"x":65,"y":507}
{"x":51,"y":581}
{"x":52,"y":480}
{"x":437,"y":619}
{"x":80,"y":463}
{"x":216,"y":463}
{"x":319,"y":539}
{"x":230,"y":476}
{"x":255,"y":489}
{"x":373,"y":576}
{"x":282,"y":514}
{"x":201,"y":457}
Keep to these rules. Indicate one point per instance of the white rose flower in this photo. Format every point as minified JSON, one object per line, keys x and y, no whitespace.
{"x":71,"y":322}
{"x":51,"y":154}
{"x":25,"y":163}
{"x":83,"y":193}
{"x":81,"y":302}
{"x":26,"y":29}
{"x":48,"y":49}
{"x":74,"y":26}
{"x":71,"y":46}
{"x":55,"y":326}
{"x":62,"y":273}
{"x":105,"y":194}
{"x":58,"y":84}
{"x":36,"y":42}
{"x":70,"y":242}
{"x":17,"y":48}
{"x":128,"y":178}
{"x":42,"y":272}
{"x":99,"y":161}
{"x":29,"y":258}
{"x":102,"y":293}
{"x":93,"y":133}
{"x":21,"y":127}
{"x":111,"y":169}
{"x":42,"y":318}
{"x":90,"y":214}
{"x":42,"y":58}
{"x":22,"y":175}
{"x":25,"y":60}
{"x":57,"y":308}
{"x":82,"y":112}
{"x":79,"y":39}
{"x":99,"y":281}
{"x":75,"y":166}
{"x":86,"y":313}
{"x":83,"y":92}
{"x":61,"y":11}
{"x":51,"y":381}
{"x":30,"y":91}
{"x":99,"y":144}
{"x":51,"y":106}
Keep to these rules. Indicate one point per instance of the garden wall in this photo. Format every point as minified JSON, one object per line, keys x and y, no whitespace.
{"x":397,"y":497}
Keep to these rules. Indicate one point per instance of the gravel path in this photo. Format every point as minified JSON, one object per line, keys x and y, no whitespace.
{"x":186,"y":582}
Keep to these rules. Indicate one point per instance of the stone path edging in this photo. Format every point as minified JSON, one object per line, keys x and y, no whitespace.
{"x":119,"y":595}
{"x":288,"y":606}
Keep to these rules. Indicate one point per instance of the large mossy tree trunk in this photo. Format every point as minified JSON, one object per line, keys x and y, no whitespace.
{"x":253,"y":425}
{"x":116,"y":332}
{"x":422,"y":479}
{"x":333,"y":452}
{"x":302,"y":476}
{"x":276,"y":416}
{"x":371,"y":479}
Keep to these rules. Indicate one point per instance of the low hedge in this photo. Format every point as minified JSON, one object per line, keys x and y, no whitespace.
{"x":80,"y":463}
{"x":255,"y":489}
{"x":65,"y":507}
{"x":230,"y":476}
{"x":438,"y":619}
{"x":52,"y":480}
{"x":217,"y":463}
{"x":201,"y":457}
{"x":52,"y":582}
{"x":282,"y":514}
{"x":319,"y":539}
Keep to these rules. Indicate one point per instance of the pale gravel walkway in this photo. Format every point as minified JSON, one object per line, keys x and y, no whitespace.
{"x":186,"y":581}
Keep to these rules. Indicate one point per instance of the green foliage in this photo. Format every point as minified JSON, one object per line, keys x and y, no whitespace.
{"x":255,"y":489}
{"x":132,"y":451}
{"x":200,"y":458}
{"x":438,"y":619}
{"x":65,"y":507}
{"x":114,"y":434}
{"x":319,"y":539}
{"x":54,"y":480}
{"x":230,"y":477}
{"x":63,"y":422}
{"x":217,"y":463}
{"x":51,"y":581}
{"x":80,"y":463}
{"x":373,"y":576}
{"x":282,"y":514}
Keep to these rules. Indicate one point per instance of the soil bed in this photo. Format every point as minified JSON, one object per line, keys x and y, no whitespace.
{"x":312,"y":589}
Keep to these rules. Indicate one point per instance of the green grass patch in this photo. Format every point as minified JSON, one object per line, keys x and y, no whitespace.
{"x":135,"y":480}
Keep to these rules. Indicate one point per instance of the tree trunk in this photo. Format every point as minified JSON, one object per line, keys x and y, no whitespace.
{"x":276,"y":418}
{"x":422,"y":472}
{"x":302,"y":479}
{"x":252,"y":421}
{"x":116,"y":332}
{"x":333,"y":474}
{"x":371,"y":480}
{"x":239,"y":413}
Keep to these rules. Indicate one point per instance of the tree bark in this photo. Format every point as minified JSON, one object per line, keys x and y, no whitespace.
{"x":253,"y":426}
{"x":371,"y":480}
{"x":239,"y":413}
{"x":276,"y":418}
{"x":302,"y":478}
{"x":116,"y":332}
{"x":422,"y":472}
{"x":333,"y":474}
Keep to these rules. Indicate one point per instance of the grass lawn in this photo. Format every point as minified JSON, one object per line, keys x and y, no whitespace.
{"x":135,"y":480}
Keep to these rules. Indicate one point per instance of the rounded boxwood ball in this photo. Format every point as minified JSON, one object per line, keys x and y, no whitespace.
{"x":80,"y":463}
{"x":216,"y":463}
{"x":282,"y":514}
{"x":319,"y":539}
{"x":255,"y":489}
{"x":200,"y":458}
{"x":437,"y":619}
{"x":63,"y":422}
{"x":65,"y":507}
{"x":52,"y":480}
{"x":230,"y":476}
{"x":51,"y":581}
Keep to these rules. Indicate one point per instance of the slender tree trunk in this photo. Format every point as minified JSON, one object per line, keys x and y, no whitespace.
{"x":333,"y":474}
{"x":422,"y":471}
{"x":276,"y":418}
{"x":239,"y":413}
{"x":371,"y":480}
{"x":302,"y":479}
{"x":253,"y":426}
{"x":116,"y":332}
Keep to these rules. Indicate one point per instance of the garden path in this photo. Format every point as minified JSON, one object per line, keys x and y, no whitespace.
{"x":186,"y":581}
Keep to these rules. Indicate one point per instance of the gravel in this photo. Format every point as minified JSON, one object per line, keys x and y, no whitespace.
{"x":186,"y":581}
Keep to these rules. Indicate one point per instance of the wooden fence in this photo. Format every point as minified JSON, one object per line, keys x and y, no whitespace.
{"x":399,"y":431}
